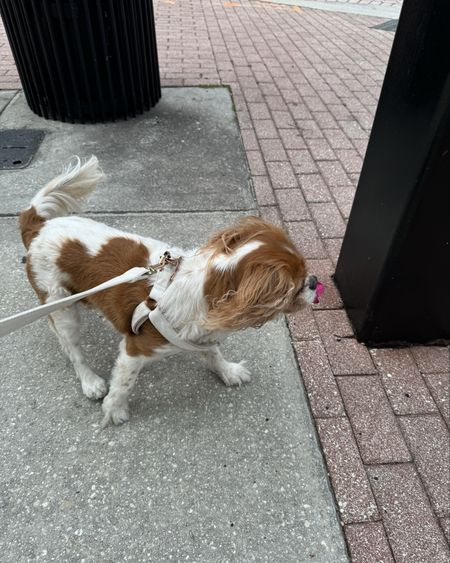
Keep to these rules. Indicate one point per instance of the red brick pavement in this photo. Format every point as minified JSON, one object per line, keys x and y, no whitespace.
{"x":9,"y":79}
{"x":305,"y":85}
{"x":373,"y":3}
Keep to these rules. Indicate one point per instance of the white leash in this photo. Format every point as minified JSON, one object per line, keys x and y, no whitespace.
{"x":15,"y":322}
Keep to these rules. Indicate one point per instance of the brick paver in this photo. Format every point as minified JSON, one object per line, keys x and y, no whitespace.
{"x":427,"y":438}
{"x":368,"y":543}
{"x":9,"y":78}
{"x":432,"y":359}
{"x":412,"y":529}
{"x":404,"y":384}
{"x":439,"y":385}
{"x":389,"y":3}
{"x":350,"y":483}
{"x":375,"y":426}
{"x":305,"y":84}
{"x":347,"y":356}
{"x":319,"y":381}
{"x":445,"y":525}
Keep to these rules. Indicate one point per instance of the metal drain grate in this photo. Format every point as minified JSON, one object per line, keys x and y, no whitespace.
{"x":389,"y":25}
{"x":18,"y":146}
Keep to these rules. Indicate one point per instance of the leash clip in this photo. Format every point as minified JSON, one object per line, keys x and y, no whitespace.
{"x":165,"y":259}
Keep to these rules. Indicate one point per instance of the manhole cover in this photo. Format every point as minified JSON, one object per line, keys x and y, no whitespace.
{"x":389,"y":25}
{"x":18,"y":146}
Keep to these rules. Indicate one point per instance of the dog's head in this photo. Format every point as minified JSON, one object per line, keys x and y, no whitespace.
{"x":254,"y":273}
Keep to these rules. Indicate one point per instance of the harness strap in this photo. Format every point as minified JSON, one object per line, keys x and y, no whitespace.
{"x":162,"y":279}
{"x":140,"y":315}
{"x":162,"y":325}
{"x":143,"y":313}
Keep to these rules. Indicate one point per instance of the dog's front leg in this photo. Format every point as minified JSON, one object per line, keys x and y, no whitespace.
{"x":124,"y":375}
{"x":230,"y":373}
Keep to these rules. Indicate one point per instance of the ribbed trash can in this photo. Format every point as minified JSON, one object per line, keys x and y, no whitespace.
{"x":85,"y":60}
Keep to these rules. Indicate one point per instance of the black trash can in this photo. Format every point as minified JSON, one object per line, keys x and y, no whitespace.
{"x":84,"y":60}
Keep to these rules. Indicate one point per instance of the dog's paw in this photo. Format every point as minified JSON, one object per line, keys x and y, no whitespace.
{"x":235,"y":374}
{"x":93,"y":386}
{"x":114,"y":412}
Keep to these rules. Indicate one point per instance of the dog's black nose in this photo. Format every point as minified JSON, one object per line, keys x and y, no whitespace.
{"x":312,"y":282}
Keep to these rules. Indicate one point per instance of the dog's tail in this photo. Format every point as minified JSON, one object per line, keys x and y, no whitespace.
{"x":68,"y":191}
{"x":62,"y":195}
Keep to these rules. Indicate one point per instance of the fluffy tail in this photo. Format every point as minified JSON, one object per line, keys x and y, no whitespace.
{"x":62,"y":195}
{"x":68,"y":191}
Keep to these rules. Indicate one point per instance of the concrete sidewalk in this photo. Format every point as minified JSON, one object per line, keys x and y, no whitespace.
{"x":201,"y":472}
{"x":305,"y":84}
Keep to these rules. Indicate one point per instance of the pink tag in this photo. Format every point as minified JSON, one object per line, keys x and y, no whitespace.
{"x":320,"y":290}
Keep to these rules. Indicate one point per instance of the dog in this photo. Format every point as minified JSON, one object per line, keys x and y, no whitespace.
{"x":241,"y":277}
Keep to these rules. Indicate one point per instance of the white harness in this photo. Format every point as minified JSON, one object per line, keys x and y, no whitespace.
{"x":164,"y":277}
{"x":164,"y":273}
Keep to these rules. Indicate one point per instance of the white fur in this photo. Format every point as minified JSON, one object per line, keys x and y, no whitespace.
{"x":124,"y":376}
{"x":183,"y":302}
{"x":308,"y":295}
{"x":68,"y":191}
{"x":230,"y":373}
{"x":66,"y":325}
{"x":228,"y":261}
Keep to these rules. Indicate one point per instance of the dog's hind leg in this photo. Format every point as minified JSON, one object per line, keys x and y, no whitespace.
{"x":66,"y":325}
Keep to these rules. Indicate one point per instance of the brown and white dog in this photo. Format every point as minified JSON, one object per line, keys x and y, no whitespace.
{"x":242,"y":277}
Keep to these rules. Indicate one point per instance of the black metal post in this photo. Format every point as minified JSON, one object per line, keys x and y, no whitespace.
{"x":394,"y":267}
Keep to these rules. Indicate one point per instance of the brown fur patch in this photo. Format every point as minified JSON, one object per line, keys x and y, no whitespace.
{"x":145,"y":342}
{"x":117,"y":304}
{"x":262,"y":284}
{"x":30,"y":225}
